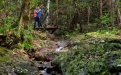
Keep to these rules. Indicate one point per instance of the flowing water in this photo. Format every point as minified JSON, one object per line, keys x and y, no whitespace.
{"x":46,"y":68}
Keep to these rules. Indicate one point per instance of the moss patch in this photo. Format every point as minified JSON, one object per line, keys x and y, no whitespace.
{"x":3,"y":51}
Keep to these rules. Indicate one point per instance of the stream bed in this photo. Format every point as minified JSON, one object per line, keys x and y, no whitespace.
{"x":45,"y":65}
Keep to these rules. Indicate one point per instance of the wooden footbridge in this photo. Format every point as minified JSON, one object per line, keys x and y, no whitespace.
{"x":50,"y":29}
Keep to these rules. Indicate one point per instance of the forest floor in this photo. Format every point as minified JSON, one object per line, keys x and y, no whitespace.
{"x":23,"y":62}
{"x":44,"y":51}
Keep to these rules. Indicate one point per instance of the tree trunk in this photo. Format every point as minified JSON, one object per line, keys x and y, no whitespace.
{"x":119,"y":18}
{"x":118,"y":14}
{"x":112,"y":11}
{"x":57,"y":12}
{"x":24,"y":15}
{"x":88,"y":17}
{"x":48,"y":7}
{"x":100,"y":8}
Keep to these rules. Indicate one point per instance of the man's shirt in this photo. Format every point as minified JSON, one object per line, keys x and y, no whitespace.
{"x":39,"y":12}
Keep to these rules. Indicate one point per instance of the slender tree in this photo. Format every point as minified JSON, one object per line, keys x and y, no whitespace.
{"x":57,"y":12}
{"x":118,"y":13}
{"x":112,"y":11}
{"x":88,"y":17}
{"x":24,"y":16}
{"x":48,"y":8}
{"x":101,"y":8}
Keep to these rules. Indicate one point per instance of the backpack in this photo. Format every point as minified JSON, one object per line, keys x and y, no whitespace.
{"x":35,"y":13}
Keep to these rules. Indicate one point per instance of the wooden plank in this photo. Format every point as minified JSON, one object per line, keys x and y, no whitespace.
{"x":47,"y":28}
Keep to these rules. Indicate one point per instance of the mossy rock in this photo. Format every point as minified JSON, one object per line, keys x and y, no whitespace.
{"x":4,"y":54}
{"x":105,"y":35}
{"x":4,"y":59}
{"x":3,"y":51}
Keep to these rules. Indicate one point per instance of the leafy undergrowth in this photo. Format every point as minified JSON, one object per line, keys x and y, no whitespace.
{"x":13,"y":57}
{"x":4,"y":55}
{"x":92,"y":53}
{"x":106,"y":34}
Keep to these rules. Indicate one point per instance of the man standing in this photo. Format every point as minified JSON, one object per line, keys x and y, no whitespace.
{"x":38,"y":17}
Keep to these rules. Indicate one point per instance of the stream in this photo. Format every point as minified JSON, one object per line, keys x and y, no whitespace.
{"x":45,"y":65}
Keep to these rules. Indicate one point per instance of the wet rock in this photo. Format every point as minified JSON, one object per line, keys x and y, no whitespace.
{"x":44,"y":72}
{"x":48,"y":57}
{"x":51,"y":71}
{"x":40,"y":64}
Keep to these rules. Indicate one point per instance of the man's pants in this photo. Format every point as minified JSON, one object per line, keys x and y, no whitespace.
{"x":38,"y":20}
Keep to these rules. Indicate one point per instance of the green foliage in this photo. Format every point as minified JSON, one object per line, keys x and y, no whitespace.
{"x":3,"y":51}
{"x":9,"y":21}
{"x":27,"y":37}
{"x":104,"y":23}
{"x":2,"y":30}
{"x":4,"y":59}
{"x":105,"y":20}
{"x":92,"y":56}
{"x":113,"y":30}
{"x":27,"y":34}
{"x":25,"y":45}
{"x":3,"y":55}
{"x":8,"y":24}
{"x":35,"y":3}
{"x":1,"y":2}
{"x":74,"y":33}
